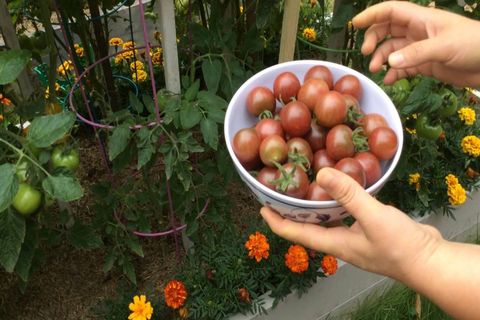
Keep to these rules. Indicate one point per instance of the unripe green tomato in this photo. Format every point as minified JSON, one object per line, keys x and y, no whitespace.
{"x":27,"y":200}
{"x":69,"y":160}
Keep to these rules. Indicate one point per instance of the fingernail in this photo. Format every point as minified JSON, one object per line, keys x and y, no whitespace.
{"x":396,"y":59}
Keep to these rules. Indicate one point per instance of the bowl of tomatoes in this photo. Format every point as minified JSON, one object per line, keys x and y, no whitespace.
{"x":290,"y":120}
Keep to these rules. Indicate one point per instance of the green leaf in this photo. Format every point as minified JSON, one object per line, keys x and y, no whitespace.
{"x":213,"y":104}
{"x":209,"y":130}
{"x":135,"y":103}
{"x":135,"y":245}
{"x":263,"y":12}
{"x":190,"y":115}
{"x":129,"y":270}
{"x":83,"y":236}
{"x":417,"y":101}
{"x":24,"y":263}
{"x":12,"y":62}
{"x":12,"y":234}
{"x":118,"y":141}
{"x":192,"y":91}
{"x":8,"y":185}
{"x":109,"y":261}
{"x":169,"y":161}
{"x":212,"y":71}
{"x":61,"y":187}
{"x":46,"y":130}
{"x":145,"y":146}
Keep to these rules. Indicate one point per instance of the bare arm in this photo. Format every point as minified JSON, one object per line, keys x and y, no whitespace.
{"x":386,"y":241}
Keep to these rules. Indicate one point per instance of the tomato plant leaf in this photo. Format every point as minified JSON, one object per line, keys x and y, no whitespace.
{"x":134,"y":244}
{"x":263,"y":12}
{"x":46,"y":130}
{"x":209,"y":130}
{"x":135,"y":103}
{"x":190,"y":115}
{"x":109,"y":261}
{"x":118,"y":141}
{"x":169,"y":162}
{"x":27,"y":253}
{"x":145,"y":146}
{"x":212,"y":71}
{"x":192,"y":91}
{"x":62,"y":187}
{"x":83,"y":236}
{"x":213,"y":104}
{"x":12,"y":62}
{"x":8,"y":185}
{"x":129,"y":270}
{"x":12,"y":234}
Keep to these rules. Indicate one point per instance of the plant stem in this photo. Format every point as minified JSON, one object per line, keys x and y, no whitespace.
{"x":23,"y":154}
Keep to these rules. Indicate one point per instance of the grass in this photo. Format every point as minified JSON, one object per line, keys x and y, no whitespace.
{"x":396,"y":303}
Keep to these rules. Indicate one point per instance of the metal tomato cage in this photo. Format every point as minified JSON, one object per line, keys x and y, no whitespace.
{"x":89,"y":119}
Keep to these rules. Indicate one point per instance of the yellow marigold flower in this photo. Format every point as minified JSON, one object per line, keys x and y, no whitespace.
{"x":451,"y":180}
{"x":78,"y":50}
{"x":128,"y":45}
{"x":140,"y":76}
{"x":66,"y":66}
{"x":175,"y":294}
{"x":115,"y":42}
{"x":257,"y":246}
{"x":456,"y":194}
{"x":310,"y":34}
{"x":411,"y":131}
{"x":471,"y":145}
{"x":129,"y":54}
{"x":414,"y":179}
{"x":138,"y":65}
{"x":156,"y":56}
{"x":118,"y":59}
{"x":329,"y":265}
{"x":141,"y":308}
{"x":296,"y":259}
{"x":241,"y":9}
{"x":183,"y":313}
{"x":467,"y":115}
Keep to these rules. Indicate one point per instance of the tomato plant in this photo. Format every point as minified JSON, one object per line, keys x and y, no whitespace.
{"x":273,"y":150}
{"x":246,"y":144}
{"x":296,"y":119}
{"x":311,"y":91}
{"x":331,"y":109}
{"x":320,"y":72}
{"x":339,"y":142}
{"x":66,"y":157}
{"x":285,"y":87}
{"x":260,"y":99}
{"x":383,"y":143}
{"x":371,"y":166}
{"x":27,"y":200}
{"x":349,"y":84}
{"x":353,"y":168}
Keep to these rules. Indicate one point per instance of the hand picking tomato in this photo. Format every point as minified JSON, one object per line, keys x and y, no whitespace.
{"x":296,"y":119}
{"x":27,"y":199}
{"x":285,"y":87}
{"x":62,"y":157}
{"x":259,"y":100}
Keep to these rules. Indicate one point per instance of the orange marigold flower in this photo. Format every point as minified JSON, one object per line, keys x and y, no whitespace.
{"x":471,"y":145}
{"x":175,"y":294}
{"x":310,"y":34}
{"x":456,"y":195}
{"x":329,"y":265}
{"x":296,"y":259}
{"x":257,"y":246}
{"x":244,"y":295}
{"x":141,"y":308}
{"x":451,"y":180}
{"x":471,"y":173}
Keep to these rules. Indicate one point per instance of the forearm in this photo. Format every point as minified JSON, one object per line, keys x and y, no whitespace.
{"x":450,"y":277}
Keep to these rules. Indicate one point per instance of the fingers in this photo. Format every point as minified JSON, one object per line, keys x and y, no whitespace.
{"x":418,"y":53}
{"x":377,"y":32}
{"x":350,"y":195}
{"x":398,"y":12}
{"x":384,"y":50}
{"x":329,"y":240}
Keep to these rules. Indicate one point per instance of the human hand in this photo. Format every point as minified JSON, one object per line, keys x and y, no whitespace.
{"x":421,"y":40}
{"x":383,"y":239}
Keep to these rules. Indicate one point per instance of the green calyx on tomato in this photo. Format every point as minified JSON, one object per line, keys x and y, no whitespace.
{"x":449,"y":103}
{"x":27,"y":199}
{"x":22,"y":170}
{"x":65,"y":157}
{"x":360,"y":141}
{"x":426,"y":129}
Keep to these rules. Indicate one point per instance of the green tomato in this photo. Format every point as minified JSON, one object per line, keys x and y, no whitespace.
{"x":22,"y":170}
{"x":426,"y":130}
{"x":68,"y":159}
{"x":27,"y":200}
{"x":449,"y":104}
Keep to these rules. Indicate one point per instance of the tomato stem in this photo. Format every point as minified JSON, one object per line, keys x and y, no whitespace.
{"x":22,"y":154}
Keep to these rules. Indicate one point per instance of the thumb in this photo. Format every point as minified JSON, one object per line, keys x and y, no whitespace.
{"x":417,"y":53}
{"x":350,"y":195}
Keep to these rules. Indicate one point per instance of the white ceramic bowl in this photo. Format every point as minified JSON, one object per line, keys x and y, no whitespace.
{"x":237,"y":117}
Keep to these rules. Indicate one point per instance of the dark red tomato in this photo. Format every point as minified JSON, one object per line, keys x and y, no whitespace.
{"x":311,"y":91}
{"x":372,"y":121}
{"x":320,"y":72}
{"x":285,"y":87}
{"x":259,"y":100}
{"x":371,"y":165}
{"x":300,"y":146}
{"x":296,"y":118}
{"x":273,"y":149}
{"x":268,"y":127}
{"x":339,"y":142}
{"x":349,"y":84}
{"x":321,"y":159}
{"x":316,"y":136}
{"x":246,"y":145}
{"x":317,"y":193}
{"x":383,"y":143}
{"x":294,"y":181}
{"x":331,"y":109}
{"x":353,"y":168}
{"x":352,"y":103}
{"x":266,"y":176}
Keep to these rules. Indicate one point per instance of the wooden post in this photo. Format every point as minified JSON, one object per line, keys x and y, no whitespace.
{"x":11,"y":40}
{"x":289,"y":30}
{"x":169,"y":45}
